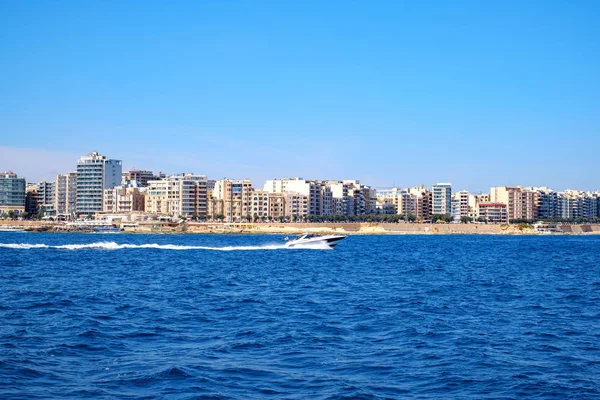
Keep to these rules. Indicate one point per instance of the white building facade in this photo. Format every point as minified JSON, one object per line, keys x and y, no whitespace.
{"x":95,"y":173}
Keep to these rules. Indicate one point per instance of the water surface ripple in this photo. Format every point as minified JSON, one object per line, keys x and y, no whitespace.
{"x":171,"y":316}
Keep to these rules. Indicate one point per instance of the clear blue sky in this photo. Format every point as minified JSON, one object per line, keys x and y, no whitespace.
{"x":478,"y":93}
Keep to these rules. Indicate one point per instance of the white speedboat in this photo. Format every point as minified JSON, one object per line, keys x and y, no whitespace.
{"x":308,"y":239}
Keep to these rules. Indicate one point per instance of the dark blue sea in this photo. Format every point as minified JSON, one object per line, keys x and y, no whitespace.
{"x":238,"y":317}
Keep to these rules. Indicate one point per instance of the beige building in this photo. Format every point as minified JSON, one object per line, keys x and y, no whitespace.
{"x":260,"y":204}
{"x":319,"y":194}
{"x":157,"y":196}
{"x":520,"y":203}
{"x":65,"y":199}
{"x":296,"y":205}
{"x":385,"y":206}
{"x":236,"y":196}
{"x":124,"y":199}
{"x":216,"y":207}
{"x":178,"y":195}
{"x":415,"y":201}
{"x":493,"y":212}
{"x":277,"y":205}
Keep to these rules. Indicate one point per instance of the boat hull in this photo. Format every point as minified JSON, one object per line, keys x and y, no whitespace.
{"x":330,"y":241}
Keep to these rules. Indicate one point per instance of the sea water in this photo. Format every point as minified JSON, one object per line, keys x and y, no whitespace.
{"x":240,"y":316}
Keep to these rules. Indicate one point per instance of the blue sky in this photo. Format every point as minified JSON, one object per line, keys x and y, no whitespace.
{"x":475,"y":93}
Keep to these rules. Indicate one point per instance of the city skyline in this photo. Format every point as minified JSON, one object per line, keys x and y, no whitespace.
{"x":58,"y":169}
{"x":392,"y":93}
{"x":99,"y":187}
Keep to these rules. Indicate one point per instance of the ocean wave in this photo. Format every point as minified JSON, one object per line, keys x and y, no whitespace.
{"x":117,"y":246}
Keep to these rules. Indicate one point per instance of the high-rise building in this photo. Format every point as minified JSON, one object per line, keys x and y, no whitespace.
{"x":65,"y":199}
{"x":124,"y":199}
{"x":12,"y":193}
{"x":95,"y":173}
{"x":441,"y":198}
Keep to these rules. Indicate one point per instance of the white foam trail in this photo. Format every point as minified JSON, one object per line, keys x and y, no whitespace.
{"x":116,"y":246}
{"x":23,"y":246}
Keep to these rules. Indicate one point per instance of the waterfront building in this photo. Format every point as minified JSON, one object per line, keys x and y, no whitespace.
{"x":95,"y":173}
{"x":12,"y":193}
{"x":348,"y":197}
{"x":422,"y":202}
{"x":474,"y":200}
{"x":157,"y":197}
{"x":44,"y":194}
{"x":342,"y":200}
{"x":215,"y":207}
{"x":575,"y":204}
{"x":31,"y":198}
{"x":277,"y":205}
{"x":297,"y":206}
{"x":493,"y":212}
{"x":65,"y":198}
{"x":259,"y":204}
{"x":547,"y":202}
{"x":183,"y":195}
{"x":441,"y":198}
{"x":387,"y":196}
{"x":385,"y":206}
{"x":370,"y":195}
{"x":320,"y":199}
{"x":406,"y":203}
{"x":460,"y":205}
{"x":140,"y":176}
{"x":520,"y":203}
{"x":236,"y":197}
{"x":415,"y":201}
{"x":124,"y":199}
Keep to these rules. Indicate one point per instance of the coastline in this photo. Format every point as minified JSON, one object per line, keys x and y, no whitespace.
{"x":351,"y":228}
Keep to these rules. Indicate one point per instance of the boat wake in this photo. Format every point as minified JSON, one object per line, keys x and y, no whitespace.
{"x":117,"y":246}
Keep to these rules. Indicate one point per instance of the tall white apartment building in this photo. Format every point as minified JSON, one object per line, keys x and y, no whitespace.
{"x":460,"y":205}
{"x":441,"y":198}
{"x":95,"y":173}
